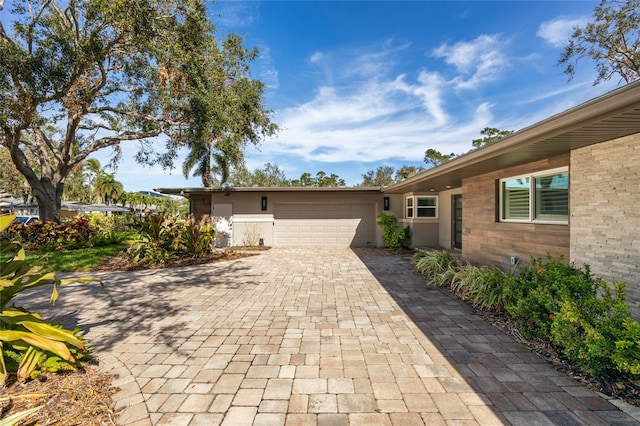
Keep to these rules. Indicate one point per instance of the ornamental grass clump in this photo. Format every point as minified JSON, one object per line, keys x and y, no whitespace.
{"x":438,"y":266}
{"x":480,"y":285}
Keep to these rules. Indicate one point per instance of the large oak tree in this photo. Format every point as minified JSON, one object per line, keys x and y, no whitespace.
{"x":611,"y":40}
{"x":80,"y":76}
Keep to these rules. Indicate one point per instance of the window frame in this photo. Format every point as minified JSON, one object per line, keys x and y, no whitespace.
{"x":408,"y":207}
{"x":532,"y":197}
{"x":414,"y":207}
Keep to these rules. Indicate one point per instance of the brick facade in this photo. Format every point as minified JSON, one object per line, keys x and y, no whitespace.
{"x":605,"y":212}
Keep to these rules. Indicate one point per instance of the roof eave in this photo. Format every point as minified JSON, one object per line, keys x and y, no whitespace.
{"x":187,"y":191}
{"x":607,"y":106}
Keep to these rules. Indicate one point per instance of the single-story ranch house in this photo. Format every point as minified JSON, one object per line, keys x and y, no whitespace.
{"x":568,"y":185}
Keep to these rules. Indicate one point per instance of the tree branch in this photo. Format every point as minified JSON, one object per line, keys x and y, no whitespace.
{"x":114,"y":140}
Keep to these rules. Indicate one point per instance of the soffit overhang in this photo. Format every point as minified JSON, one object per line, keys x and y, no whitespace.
{"x":294,"y":189}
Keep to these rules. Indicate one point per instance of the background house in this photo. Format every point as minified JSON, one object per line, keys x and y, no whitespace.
{"x":288,"y":216}
{"x":568,"y":186}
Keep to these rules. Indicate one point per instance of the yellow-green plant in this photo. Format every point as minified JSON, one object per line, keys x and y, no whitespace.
{"x":24,"y":332}
{"x":17,"y":417}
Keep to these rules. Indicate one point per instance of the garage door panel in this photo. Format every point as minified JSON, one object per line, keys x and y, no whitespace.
{"x":341,"y":225}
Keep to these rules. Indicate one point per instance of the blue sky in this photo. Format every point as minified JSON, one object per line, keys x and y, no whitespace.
{"x":358,"y":84}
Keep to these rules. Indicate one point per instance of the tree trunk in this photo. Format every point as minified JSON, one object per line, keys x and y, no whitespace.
{"x":46,"y":189}
{"x":49,"y":197}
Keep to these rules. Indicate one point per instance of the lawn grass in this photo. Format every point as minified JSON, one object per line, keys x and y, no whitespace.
{"x":80,"y":260}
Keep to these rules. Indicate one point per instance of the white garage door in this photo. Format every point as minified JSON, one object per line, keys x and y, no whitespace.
{"x":336,"y":225}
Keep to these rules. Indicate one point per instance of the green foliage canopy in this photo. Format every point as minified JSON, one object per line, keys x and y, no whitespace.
{"x":435,"y":157}
{"x":80,"y":76}
{"x":611,"y":40}
{"x":491,"y":134}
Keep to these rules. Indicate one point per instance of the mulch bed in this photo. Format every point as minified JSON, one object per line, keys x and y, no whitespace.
{"x":122,"y":263}
{"x":71,"y":398}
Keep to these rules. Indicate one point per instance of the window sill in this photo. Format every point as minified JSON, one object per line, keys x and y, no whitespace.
{"x":535,"y":222}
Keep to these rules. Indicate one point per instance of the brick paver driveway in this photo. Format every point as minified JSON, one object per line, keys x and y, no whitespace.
{"x":314,"y":336}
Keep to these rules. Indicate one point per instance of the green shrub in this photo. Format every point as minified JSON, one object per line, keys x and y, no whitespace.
{"x":598,"y":333}
{"x":438,"y":266}
{"x":538,"y":291}
{"x":393,"y":236}
{"x":104,"y":224}
{"x":41,"y":236}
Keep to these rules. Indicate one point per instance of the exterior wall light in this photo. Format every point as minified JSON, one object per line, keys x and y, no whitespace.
{"x":386,"y":203}
{"x":263,"y":203}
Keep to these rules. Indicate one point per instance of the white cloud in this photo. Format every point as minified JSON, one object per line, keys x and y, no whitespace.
{"x":429,"y":91}
{"x":381,"y":118}
{"x":316,"y":56}
{"x":372,"y":61}
{"x":374,"y":115}
{"x":478,"y":61}
{"x":557,"y":92}
{"x":558,"y":31}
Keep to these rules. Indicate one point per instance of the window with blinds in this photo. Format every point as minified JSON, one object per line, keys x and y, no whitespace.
{"x":540,"y":197}
{"x":515,"y":199}
{"x":552,"y":197}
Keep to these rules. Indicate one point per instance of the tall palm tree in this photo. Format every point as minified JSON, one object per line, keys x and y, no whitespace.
{"x":207,"y":160}
{"x":199,"y":158}
{"x":94,"y":170}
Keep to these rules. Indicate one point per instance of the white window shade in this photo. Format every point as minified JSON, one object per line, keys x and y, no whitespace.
{"x":515,"y":199}
{"x":552,"y":197}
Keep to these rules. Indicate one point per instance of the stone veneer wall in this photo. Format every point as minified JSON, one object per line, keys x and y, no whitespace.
{"x":605,"y":212}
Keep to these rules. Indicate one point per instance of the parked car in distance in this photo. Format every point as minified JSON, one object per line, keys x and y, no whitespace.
{"x":25,"y":220}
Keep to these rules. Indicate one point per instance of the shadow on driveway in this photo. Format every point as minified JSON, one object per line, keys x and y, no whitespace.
{"x":518,"y":385}
{"x":140,"y":303}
